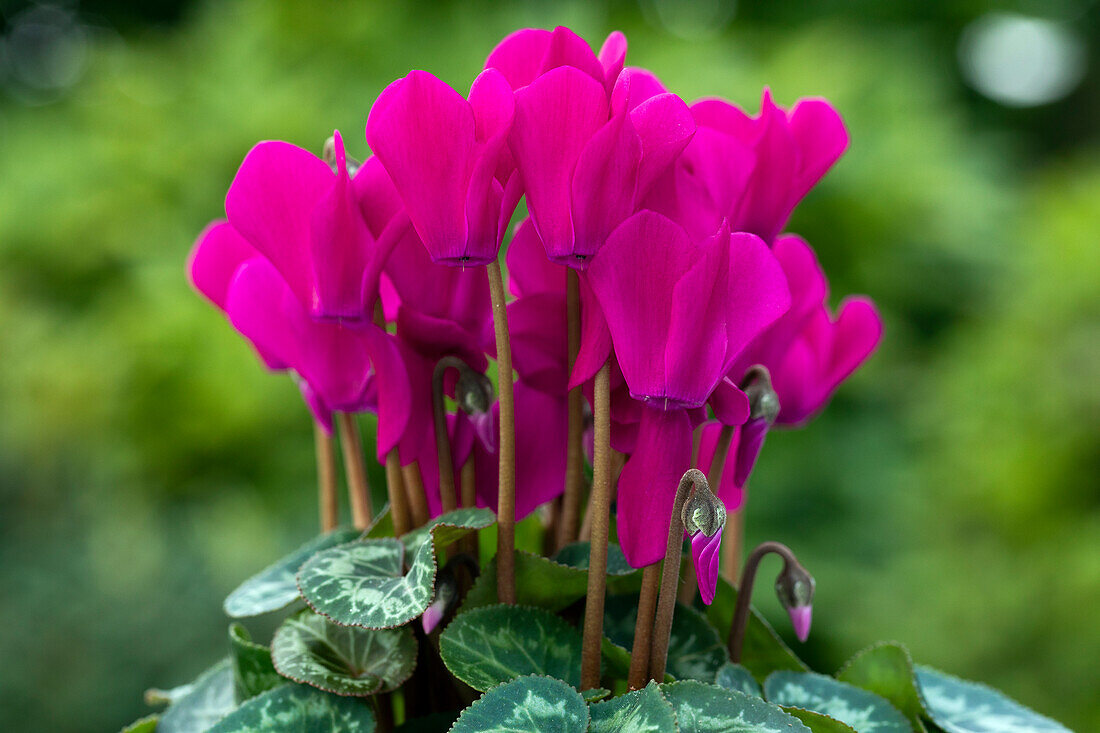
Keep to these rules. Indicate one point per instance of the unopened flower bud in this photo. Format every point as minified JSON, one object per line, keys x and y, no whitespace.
{"x":445,"y":596}
{"x":703,"y":511}
{"x":474,"y":392}
{"x":795,"y":588}
{"x":763,"y":401}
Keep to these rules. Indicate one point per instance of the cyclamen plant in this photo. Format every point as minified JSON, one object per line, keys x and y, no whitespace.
{"x":659,"y":326}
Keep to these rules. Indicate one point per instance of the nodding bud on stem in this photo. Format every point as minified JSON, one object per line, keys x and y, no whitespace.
{"x":446,"y":593}
{"x":703,"y":511}
{"x":795,"y":588}
{"x":474,"y":392}
{"x":763,"y":401}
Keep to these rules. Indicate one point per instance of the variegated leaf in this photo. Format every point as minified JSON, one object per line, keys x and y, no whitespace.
{"x":819,"y":722}
{"x":641,"y":711}
{"x":300,"y":709}
{"x":959,"y":706}
{"x":887,"y":670}
{"x":695,"y":651}
{"x":274,"y":587}
{"x":595,"y":694}
{"x":494,"y":644}
{"x":735,"y":677}
{"x":703,"y":708}
{"x":253,"y":672}
{"x":211,"y":696}
{"x":526,"y":705}
{"x":343,"y":660}
{"x":363,"y":583}
{"x":864,"y":711}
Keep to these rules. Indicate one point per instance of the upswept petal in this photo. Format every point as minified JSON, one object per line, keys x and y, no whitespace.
{"x":705,"y":556}
{"x":821,"y":137}
{"x":749,"y":443}
{"x":730,"y":404}
{"x":665,"y":127}
{"x":758,"y":293}
{"x":632,"y":87}
{"x":595,"y":346}
{"x":603,"y":186}
{"x":214,"y":260}
{"x":556,"y":115}
{"x":379,"y":201}
{"x":612,"y":56}
{"x":537,"y":328}
{"x":769,"y":199}
{"x":520,"y":55}
{"x":647,"y":484}
{"x":423,"y":132}
{"x":529,"y":269}
{"x":259,"y":304}
{"x":270,"y":202}
{"x":566,"y":48}
{"x":391,"y":378}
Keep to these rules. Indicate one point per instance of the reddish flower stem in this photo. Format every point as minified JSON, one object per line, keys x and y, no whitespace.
{"x":355,"y":468}
{"x":326,"y":478}
{"x":643,"y":627}
{"x":395,"y":488}
{"x":574,"y":457}
{"x":447,"y":497}
{"x":744,"y":592}
{"x":601,"y":507}
{"x":506,"y":488}
{"x":414,"y":489}
{"x":469,"y":499}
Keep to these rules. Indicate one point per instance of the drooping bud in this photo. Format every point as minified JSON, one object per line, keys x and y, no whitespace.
{"x":763,"y":401}
{"x":474,"y":394}
{"x":795,"y":588}
{"x":445,"y":595}
{"x":703,"y":511}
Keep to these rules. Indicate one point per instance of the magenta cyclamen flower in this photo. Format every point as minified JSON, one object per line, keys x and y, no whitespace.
{"x":449,"y":160}
{"x":327,"y":234}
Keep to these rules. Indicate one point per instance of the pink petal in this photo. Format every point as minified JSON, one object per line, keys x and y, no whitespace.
{"x":258,"y":305}
{"x":612,"y":56}
{"x":595,"y":346}
{"x":647,"y":485}
{"x":749,"y":442}
{"x":758,"y":290}
{"x":566,"y":48}
{"x":423,"y":132}
{"x":731,"y":493}
{"x":270,"y":203}
{"x":529,"y":270}
{"x":632,"y":87}
{"x":603,"y":186}
{"x":379,"y":201}
{"x":486,"y":430}
{"x":665,"y":126}
{"x":494,"y":107}
{"x":519,"y":56}
{"x":537,"y":329}
{"x":801,"y":616}
{"x":705,"y":555}
{"x":769,"y":198}
{"x":214,"y":260}
{"x":555,"y":117}
{"x":394,"y":396}
{"x":730,"y":404}
{"x":821,"y":138}
{"x":857,"y":333}
{"x":432,"y":615}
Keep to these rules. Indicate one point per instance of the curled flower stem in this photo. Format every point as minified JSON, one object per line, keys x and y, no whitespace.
{"x":326,"y":478}
{"x":574,"y":457}
{"x":744,"y":592}
{"x":447,"y":497}
{"x":506,"y":488}
{"x":414,"y":489}
{"x":601,"y":507}
{"x":355,"y":468}
{"x":643,"y":627}
{"x":395,"y":488}
{"x":670,"y":575}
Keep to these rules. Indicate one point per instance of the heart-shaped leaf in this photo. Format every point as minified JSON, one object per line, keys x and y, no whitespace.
{"x":494,"y":644}
{"x":763,"y":652}
{"x":343,"y":660}
{"x":298,"y":708}
{"x":363,"y":583}
{"x":641,"y":711}
{"x":575,"y":555}
{"x":819,"y":722}
{"x":703,"y":708}
{"x":274,"y":587}
{"x":695,"y":651}
{"x":858,"y":708}
{"x":735,"y":677}
{"x":959,"y":706}
{"x":253,"y":672}
{"x":207,"y":701}
{"x":526,"y":705}
{"x":887,"y":670}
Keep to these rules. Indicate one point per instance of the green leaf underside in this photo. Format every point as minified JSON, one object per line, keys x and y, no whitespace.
{"x":344,"y":660}
{"x":695,"y":651}
{"x":253,"y":672}
{"x":763,"y":652}
{"x":575,"y":555}
{"x":703,"y":708}
{"x":148,"y":724}
{"x":735,"y":677}
{"x":960,"y":706}
{"x":540,"y":582}
{"x":886,"y":669}
{"x":494,"y":644}
{"x":641,"y":711}
{"x":819,"y":722}
{"x":864,"y":711}
{"x":616,"y":659}
{"x":300,"y":709}
{"x":274,"y":587}
{"x":211,"y":696}
{"x":526,"y":705}
{"x":363,"y":584}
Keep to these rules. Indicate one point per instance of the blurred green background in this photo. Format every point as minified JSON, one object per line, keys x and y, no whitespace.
{"x":947,"y":498}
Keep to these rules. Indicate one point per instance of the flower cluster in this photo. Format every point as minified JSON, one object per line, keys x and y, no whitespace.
{"x":359,"y":279}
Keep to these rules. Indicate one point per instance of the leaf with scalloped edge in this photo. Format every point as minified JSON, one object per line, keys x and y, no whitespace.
{"x":274,"y":587}
{"x":735,"y":677}
{"x":819,"y":722}
{"x":531,"y":704}
{"x":703,"y":708}
{"x":575,"y":555}
{"x":763,"y":652}
{"x":364,"y":584}
{"x":540,"y":582}
{"x":862,"y":710}
{"x":209,"y":698}
{"x":253,"y":672}
{"x":695,"y":650}
{"x":494,"y":644}
{"x":642,"y":711}
{"x":960,"y":706}
{"x":301,"y":709}
{"x":595,"y":694}
{"x":343,"y":660}
{"x":886,"y":669}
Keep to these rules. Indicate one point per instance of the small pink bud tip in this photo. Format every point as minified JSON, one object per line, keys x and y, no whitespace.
{"x":800,"y":619}
{"x":704,"y":552}
{"x":432,"y":616}
{"x":486,"y":430}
